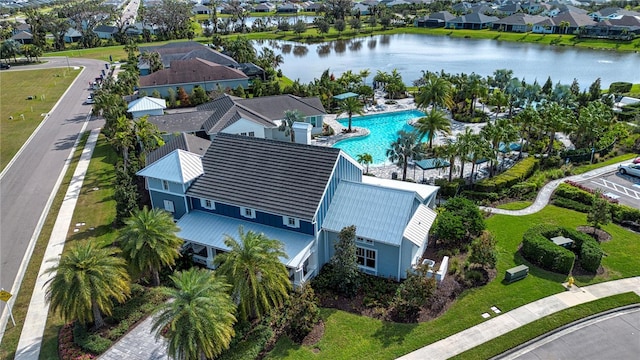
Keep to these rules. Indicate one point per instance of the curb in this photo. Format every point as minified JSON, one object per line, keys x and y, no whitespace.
{"x":524,"y":345}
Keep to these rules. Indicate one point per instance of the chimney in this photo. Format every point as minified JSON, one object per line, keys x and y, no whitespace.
{"x":302,"y":132}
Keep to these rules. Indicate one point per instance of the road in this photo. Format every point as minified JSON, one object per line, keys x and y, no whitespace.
{"x":28,"y":182}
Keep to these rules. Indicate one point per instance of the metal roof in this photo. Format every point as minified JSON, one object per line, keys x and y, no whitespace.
{"x":178,"y":166}
{"x":210,"y":230}
{"x":419,"y":225}
{"x":268,"y":175}
{"x":422,"y":190}
{"x":147,"y":103}
{"x":379,"y":213}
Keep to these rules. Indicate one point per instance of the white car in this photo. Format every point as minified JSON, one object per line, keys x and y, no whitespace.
{"x":90,"y":99}
{"x":631,"y":169}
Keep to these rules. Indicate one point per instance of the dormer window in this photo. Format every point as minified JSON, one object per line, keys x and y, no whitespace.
{"x":207,"y":204}
{"x":248,"y":212}
{"x":165,"y":185}
{"x":291,"y":221}
{"x":364,"y":241}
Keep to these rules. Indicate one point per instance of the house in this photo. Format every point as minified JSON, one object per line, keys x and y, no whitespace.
{"x":146,"y":106}
{"x":436,"y":19}
{"x":312,"y":7}
{"x":610,"y":13}
{"x":259,"y":117}
{"x":188,"y":74}
{"x":473,"y":21}
{"x":519,"y":22}
{"x":72,"y":35}
{"x":185,"y":50}
{"x":20,"y":28}
{"x":201,"y":10}
{"x":288,"y":7}
{"x":264,"y":8}
{"x":301,"y":195}
{"x":360,"y":8}
{"x":509,"y":8}
{"x":23,"y":37}
{"x":397,"y":2}
{"x":564,"y":23}
{"x":105,"y":31}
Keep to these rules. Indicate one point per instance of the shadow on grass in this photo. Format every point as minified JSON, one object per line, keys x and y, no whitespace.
{"x":536,"y":271}
{"x":87,"y":233}
{"x":393,"y":333}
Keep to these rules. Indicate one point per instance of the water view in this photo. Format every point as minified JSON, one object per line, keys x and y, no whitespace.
{"x":383,"y":130}
{"x":412,"y":53}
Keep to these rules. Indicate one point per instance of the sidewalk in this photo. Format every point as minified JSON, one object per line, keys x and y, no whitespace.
{"x":36,"y":319}
{"x":139,"y":344}
{"x":508,"y":321}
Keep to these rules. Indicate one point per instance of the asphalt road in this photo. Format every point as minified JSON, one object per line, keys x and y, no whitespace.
{"x":624,"y":188}
{"x":27,"y":183}
{"x":613,"y":336}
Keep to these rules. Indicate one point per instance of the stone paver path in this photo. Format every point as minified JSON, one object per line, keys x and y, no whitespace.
{"x":139,"y":344}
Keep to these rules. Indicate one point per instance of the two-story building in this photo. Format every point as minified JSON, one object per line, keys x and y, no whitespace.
{"x":301,"y":195}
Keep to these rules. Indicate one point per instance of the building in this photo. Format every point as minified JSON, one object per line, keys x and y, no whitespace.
{"x":146,"y":106}
{"x":301,"y":195}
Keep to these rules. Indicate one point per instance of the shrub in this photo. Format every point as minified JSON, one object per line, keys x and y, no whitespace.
{"x":590,"y":256}
{"x":537,"y":248}
{"x":67,"y":349}
{"x":483,"y":250}
{"x":412,"y":294}
{"x":480,"y":196}
{"x":248,"y":343}
{"x":519,"y":172}
{"x":302,"y":313}
{"x":93,"y":343}
{"x":570,"y":204}
{"x":620,"y":87}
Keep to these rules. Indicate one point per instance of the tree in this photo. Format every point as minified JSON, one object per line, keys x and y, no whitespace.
{"x":199,"y":96}
{"x":86,"y":282}
{"x":340,"y":26}
{"x":199,"y":319}
{"x":290,"y":117}
{"x":595,"y":92}
{"x":183,"y":97}
{"x":600,"y":212}
{"x":86,"y":15}
{"x":172,"y":18}
{"x":240,"y":49}
{"x":122,"y":138}
{"x":448,"y":229}
{"x":31,"y":52}
{"x":338,"y":9}
{"x":351,"y":106}
{"x":149,"y":242}
{"x":555,"y":118}
{"x":355,"y":23}
{"x":346,"y":276}
{"x":429,"y":125}
{"x":10,"y":49}
{"x":299,"y":27}
{"x":436,"y":91}
{"x":154,"y":60}
{"x":252,"y":266}
{"x":125,"y":195}
{"x":322,"y":25}
{"x":499,"y":132}
{"x":470,"y":215}
{"x":302,"y":313}
{"x":483,"y":250}
{"x":413,"y":293}
{"x":365,"y":159}
{"x":404,"y":148}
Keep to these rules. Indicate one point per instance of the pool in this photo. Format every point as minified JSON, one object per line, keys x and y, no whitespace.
{"x":383,"y":130}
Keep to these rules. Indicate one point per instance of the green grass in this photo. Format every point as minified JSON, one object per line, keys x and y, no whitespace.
{"x":349,"y":336}
{"x":515,"y":205}
{"x":585,"y":168}
{"x":12,"y":334}
{"x":46,"y":85}
{"x":546,"y":324}
{"x":96,"y":208}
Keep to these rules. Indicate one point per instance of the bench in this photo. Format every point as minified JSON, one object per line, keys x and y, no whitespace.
{"x":516,"y":273}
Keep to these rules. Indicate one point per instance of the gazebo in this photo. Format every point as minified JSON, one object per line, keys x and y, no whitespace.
{"x":428,"y":164}
{"x":346,"y":95}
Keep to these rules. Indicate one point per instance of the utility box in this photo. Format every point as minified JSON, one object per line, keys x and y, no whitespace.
{"x":516,"y":273}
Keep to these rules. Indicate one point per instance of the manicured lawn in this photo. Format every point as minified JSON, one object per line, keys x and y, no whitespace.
{"x":515,"y":205}
{"x":95,"y":208}
{"x":21,"y":305}
{"x":584,"y":168}
{"x":46,"y":86}
{"x":546,"y":324}
{"x":349,"y":336}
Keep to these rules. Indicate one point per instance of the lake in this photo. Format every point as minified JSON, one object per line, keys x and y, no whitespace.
{"x":412,"y":53}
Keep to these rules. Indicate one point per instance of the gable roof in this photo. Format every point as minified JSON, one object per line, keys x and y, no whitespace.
{"x":273,"y":107}
{"x":186,"y":142}
{"x":178,"y":166}
{"x":147,"y":103}
{"x":474,"y":18}
{"x":267,"y":175}
{"x":521,"y":19}
{"x":181,"y":121}
{"x":106,"y":29}
{"x":418,"y":228}
{"x":574,"y":19}
{"x":379,"y":213}
{"x":423,"y":191}
{"x":226,"y":112}
{"x":191,"y":71}
{"x":22,"y":35}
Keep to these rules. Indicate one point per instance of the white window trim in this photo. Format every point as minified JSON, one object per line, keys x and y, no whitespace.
{"x":169,"y":206}
{"x":364,"y":267}
{"x":365,"y":241}
{"x":203,"y":203}
{"x":243,"y":212}
{"x":286,"y":220}
{"x":167,"y":187}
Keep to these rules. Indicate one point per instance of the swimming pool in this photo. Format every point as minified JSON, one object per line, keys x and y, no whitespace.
{"x":383,"y":130}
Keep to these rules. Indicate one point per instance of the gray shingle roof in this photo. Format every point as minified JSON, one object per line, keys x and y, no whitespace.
{"x":181,"y":122}
{"x":191,"y":71}
{"x":266,"y":175}
{"x":273,"y":107}
{"x":226,"y":112}
{"x":186,"y":142}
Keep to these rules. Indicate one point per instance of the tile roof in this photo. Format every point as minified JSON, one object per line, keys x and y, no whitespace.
{"x":178,"y":166}
{"x":191,"y":71}
{"x":186,"y":142}
{"x":379,"y":213}
{"x":266,"y":175}
{"x":273,"y":107}
{"x":147,"y":103}
{"x":180,"y":122}
{"x":521,"y":19}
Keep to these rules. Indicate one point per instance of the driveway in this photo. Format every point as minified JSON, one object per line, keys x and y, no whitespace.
{"x":29,"y":182}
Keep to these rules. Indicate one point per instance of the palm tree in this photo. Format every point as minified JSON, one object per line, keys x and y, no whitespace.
{"x":436,"y":91}
{"x":555,"y":118}
{"x":501,"y":131}
{"x":86,"y":282}
{"x":365,"y":159}
{"x":435,"y":121}
{"x":351,"y":106}
{"x":123,"y":137}
{"x":479,"y":149}
{"x":149,"y":241}
{"x":258,"y":278}
{"x":403,"y":149}
{"x":290,"y":117}
{"x":465,"y":147}
{"x":147,"y":134}
{"x":448,"y":151}
{"x":154,"y":60}
{"x":527,"y":120}
{"x":199,"y":319}
{"x":364,"y":74}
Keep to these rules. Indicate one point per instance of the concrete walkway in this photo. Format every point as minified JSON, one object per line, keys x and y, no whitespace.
{"x":508,"y":321}
{"x":544,"y":195}
{"x":36,"y":319}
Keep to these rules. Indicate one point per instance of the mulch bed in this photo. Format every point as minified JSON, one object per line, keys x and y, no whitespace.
{"x":315,"y":335}
{"x":600,"y":235}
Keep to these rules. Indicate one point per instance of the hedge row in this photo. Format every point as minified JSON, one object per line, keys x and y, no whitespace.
{"x":540,"y":251}
{"x":591,"y":191}
{"x":519,"y":172}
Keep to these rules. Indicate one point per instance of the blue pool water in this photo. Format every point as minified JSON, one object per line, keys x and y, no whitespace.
{"x":383,"y":130}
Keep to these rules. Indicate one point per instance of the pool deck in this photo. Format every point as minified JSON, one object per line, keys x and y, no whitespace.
{"x":386,"y":170}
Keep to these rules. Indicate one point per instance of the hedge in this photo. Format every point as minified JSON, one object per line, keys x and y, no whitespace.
{"x":519,"y":172}
{"x":590,"y":256}
{"x":540,"y":251}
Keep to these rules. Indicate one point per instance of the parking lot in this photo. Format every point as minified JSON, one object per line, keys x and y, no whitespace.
{"x":624,"y":188}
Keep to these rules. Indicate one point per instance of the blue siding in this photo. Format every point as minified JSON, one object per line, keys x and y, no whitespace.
{"x":156,"y":184}
{"x":157,"y":201}
{"x":386,"y":257}
{"x":272,"y":220}
{"x":409,"y":251}
{"x":345,"y":170}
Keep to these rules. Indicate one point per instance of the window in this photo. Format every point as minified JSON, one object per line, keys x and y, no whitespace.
{"x":291,"y":222}
{"x":313,"y":120}
{"x":165,"y":185}
{"x":207,"y":204}
{"x":168,"y":205}
{"x":248,"y":213}
{"x":366,"y":257}
{"x":364,"y":241}
{"x":252,"y":134}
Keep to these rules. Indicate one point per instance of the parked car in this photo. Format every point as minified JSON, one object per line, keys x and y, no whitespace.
{"x":631,"y":169}
{"x":636,"y":160}
{"x":4,"y":66}
{"x":90,"y":99}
